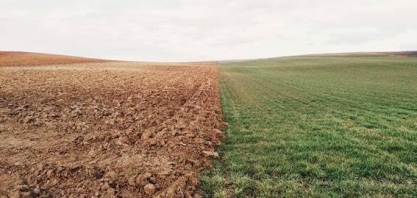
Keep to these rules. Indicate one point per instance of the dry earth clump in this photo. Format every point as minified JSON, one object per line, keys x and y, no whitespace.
{"x":108,"y":129}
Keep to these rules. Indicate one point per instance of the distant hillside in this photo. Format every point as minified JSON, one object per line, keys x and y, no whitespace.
{"x":405,"y":53}
{"x":401,"y":53}
{"x":344,"y":54}
{"x":31,"y":59}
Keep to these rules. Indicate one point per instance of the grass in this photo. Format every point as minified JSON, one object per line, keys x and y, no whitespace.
{"x":318,"y":127}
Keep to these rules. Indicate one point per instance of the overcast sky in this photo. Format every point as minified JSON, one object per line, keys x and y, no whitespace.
{"x":191,"y":30}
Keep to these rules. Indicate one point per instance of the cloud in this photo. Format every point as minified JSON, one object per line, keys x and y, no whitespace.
{"x":184,"y":30}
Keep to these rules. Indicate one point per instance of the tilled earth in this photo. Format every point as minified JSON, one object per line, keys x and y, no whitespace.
{"x":26,"y":58}
{"x":113,"y":129}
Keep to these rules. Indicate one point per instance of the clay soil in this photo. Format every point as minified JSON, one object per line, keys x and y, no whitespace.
{"x":113,"y":129}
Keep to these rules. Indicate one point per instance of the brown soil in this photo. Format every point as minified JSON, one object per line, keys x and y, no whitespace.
{"x":29,"y":59}
{"x":108,"y":129}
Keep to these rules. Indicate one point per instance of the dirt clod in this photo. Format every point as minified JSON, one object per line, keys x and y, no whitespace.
{"x":211,"y":154}
{"x":111,"y":175}
{"x":29,"y":119}
{"x":149,"y":189}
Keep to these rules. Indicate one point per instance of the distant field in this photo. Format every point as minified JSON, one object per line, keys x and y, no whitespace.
{"x":29,"y":59}
{"x":318,"y":127}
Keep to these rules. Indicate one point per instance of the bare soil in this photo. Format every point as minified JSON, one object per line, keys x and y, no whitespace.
{"x":28,"y":59}
{"x":113,"y":129}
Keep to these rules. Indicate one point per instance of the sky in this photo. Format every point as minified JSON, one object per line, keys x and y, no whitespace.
{"x":197,"y":30}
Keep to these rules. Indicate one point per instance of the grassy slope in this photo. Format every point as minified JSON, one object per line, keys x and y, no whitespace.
{"x":318,"y":127}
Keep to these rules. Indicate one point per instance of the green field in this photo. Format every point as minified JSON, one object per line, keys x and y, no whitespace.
{"x":318,"y":127}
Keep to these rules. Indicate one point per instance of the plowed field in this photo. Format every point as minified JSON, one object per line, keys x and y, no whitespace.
{"x":107,"y":129}
{"x":25,"y":58}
